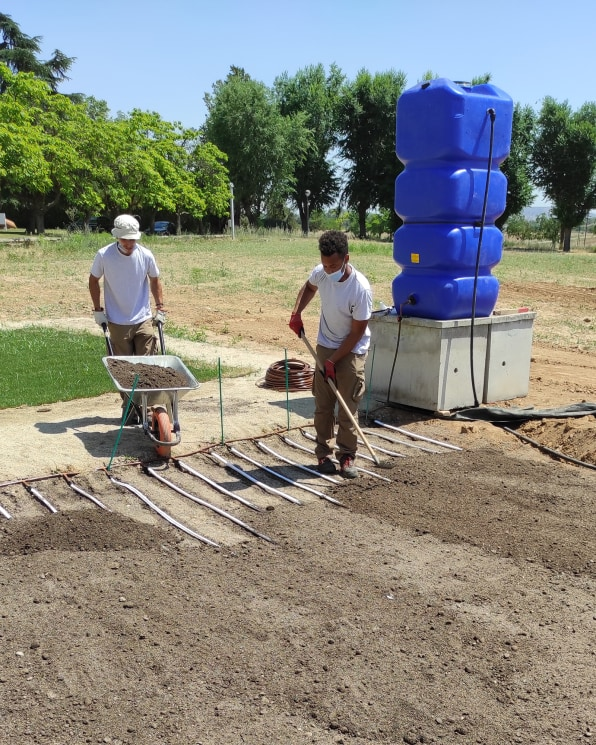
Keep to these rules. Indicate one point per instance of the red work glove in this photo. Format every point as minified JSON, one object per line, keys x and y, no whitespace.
{"x":296,"y":324}
{"x":329,"y":373}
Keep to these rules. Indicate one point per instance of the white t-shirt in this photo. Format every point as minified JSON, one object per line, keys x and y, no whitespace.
{"x":340,"y":303}
{"x":125,"y":282}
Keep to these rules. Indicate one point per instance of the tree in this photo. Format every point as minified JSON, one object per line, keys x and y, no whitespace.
{"x":263,"y":147}
{"x":564,"y":162}
{"x":19,"y":53}
{"x":208,"y":165}
{"x":367,"y":141}
{"x":315,"y":94}
{"x":34,"y":152}
{"x":153,"y":170}
{"x":518,"y":166}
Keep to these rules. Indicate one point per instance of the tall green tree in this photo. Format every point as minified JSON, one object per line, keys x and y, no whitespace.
{"x":36,"y":142}
{"x":564,"y":162}
{"x":263,"y":147}
{"x":518,"y":165}
{"x":316,"y":94}
{"x":20,"y":53}
{"x":367,"y":141}
{"x":208,"y":166}
{"x":154,"y":168}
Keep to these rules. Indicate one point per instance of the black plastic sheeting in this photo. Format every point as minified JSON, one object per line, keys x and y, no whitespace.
{"x":496,"y":414}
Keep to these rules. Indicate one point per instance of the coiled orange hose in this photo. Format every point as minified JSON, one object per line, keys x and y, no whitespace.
{"x":299,"y":376}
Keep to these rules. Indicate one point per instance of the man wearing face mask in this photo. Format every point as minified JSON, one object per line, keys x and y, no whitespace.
{"x":342,"y":344}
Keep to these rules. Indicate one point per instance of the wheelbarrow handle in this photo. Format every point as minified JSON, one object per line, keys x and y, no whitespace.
{"x":162,"y":342}
{"x":106,"y":334}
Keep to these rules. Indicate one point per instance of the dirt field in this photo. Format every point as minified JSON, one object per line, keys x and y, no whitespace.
{"x":449,"y":599}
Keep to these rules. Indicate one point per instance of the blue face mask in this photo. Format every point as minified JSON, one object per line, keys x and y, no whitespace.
{"x":336,"y":276}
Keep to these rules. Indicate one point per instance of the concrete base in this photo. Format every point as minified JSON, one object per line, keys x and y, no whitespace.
{"x":432,"y":369}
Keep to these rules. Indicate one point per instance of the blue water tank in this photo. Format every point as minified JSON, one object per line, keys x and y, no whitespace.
{"x":445,"y":134}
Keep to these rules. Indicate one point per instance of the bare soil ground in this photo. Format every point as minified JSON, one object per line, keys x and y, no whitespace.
{"x":450,"y":599}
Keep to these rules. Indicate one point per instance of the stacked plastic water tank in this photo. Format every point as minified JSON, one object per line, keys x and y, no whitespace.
{"x":444,"y":135}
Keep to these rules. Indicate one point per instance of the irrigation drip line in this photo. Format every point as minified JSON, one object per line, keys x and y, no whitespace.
{"x":297,"y":445}
{"x":208,"y":505}
{"x":417,"y":437}
{"x":85,"y":494}
{"x":71,"y":474}
{"x":385,"y":451}
{"x":218,"y":487}
{"x":266,"y":449}
{"x":281,"y":476}
{"x":40,"y":498}
{"x":31,"y":479}
{"x":271,"y":471}
{"x":401,"y":442}
{"x":546,"y":449}
{"x":243,"y":474}
{"x":360,"y":455}
{"x":162,"y":513}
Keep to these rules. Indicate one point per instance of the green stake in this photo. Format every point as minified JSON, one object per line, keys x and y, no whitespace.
{"x":124,"y":416}
{"x":220,"y":400}
{"x":287,"y":389}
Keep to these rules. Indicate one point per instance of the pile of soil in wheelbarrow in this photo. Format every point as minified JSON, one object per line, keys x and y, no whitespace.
{"x":150,"y":376}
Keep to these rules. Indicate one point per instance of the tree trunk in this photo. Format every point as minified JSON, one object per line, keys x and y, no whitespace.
{"x":567,"y":239}
{"x":302,"y":216}
{"x":361,"y":220}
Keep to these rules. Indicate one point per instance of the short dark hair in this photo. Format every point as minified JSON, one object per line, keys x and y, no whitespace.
{"x":333,"y":242}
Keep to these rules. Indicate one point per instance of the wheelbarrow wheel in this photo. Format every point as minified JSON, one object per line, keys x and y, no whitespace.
{"x":162,"y":430}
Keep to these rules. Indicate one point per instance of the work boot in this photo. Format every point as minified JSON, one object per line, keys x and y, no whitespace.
{"x":347,"y":468}
{"x":326,"y":466}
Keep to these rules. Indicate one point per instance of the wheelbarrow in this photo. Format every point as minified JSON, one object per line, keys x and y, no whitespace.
{"x":158,"y":406}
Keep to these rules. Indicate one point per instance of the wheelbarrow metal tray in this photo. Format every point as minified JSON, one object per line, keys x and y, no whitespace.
{"x":159,"y":360}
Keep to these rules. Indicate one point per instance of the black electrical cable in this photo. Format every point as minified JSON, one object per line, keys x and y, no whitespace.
{"x":550,"y":451}
{"x":492,"y":115}
{"x":410,"y":301}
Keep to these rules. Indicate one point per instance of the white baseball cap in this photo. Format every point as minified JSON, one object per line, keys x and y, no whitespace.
{"x":127,"y":227}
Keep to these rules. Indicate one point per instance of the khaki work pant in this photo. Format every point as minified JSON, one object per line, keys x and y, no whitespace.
{"x":137,"y":339}
{"x":350,"y":384}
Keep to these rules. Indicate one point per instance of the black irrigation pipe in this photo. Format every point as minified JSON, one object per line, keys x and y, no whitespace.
{"x":71,"y":474}
{"x":32,"y":479}
{"x":40,"y":498}
{"x":546,"y":449}
{"x":289,"y":461}
{"x":376,"y":433}
{"x":208,"y":505}
{"x":214,"y":485}
{"x":83,"y":493}
{"x":244,"y":474}
{"x":274,"y":473}
{"x":162,"y":513}
{"x":297,"y":445}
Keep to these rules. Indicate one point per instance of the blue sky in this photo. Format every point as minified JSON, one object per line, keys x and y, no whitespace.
{"x":164,"y":56}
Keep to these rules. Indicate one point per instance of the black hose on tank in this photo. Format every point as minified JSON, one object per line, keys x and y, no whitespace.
{"x":491,"y":113}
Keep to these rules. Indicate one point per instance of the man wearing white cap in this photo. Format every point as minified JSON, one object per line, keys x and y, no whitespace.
{"x":129,"y":272}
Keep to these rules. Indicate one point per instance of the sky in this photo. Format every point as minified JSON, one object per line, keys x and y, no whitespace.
{"x":164,"y":56}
